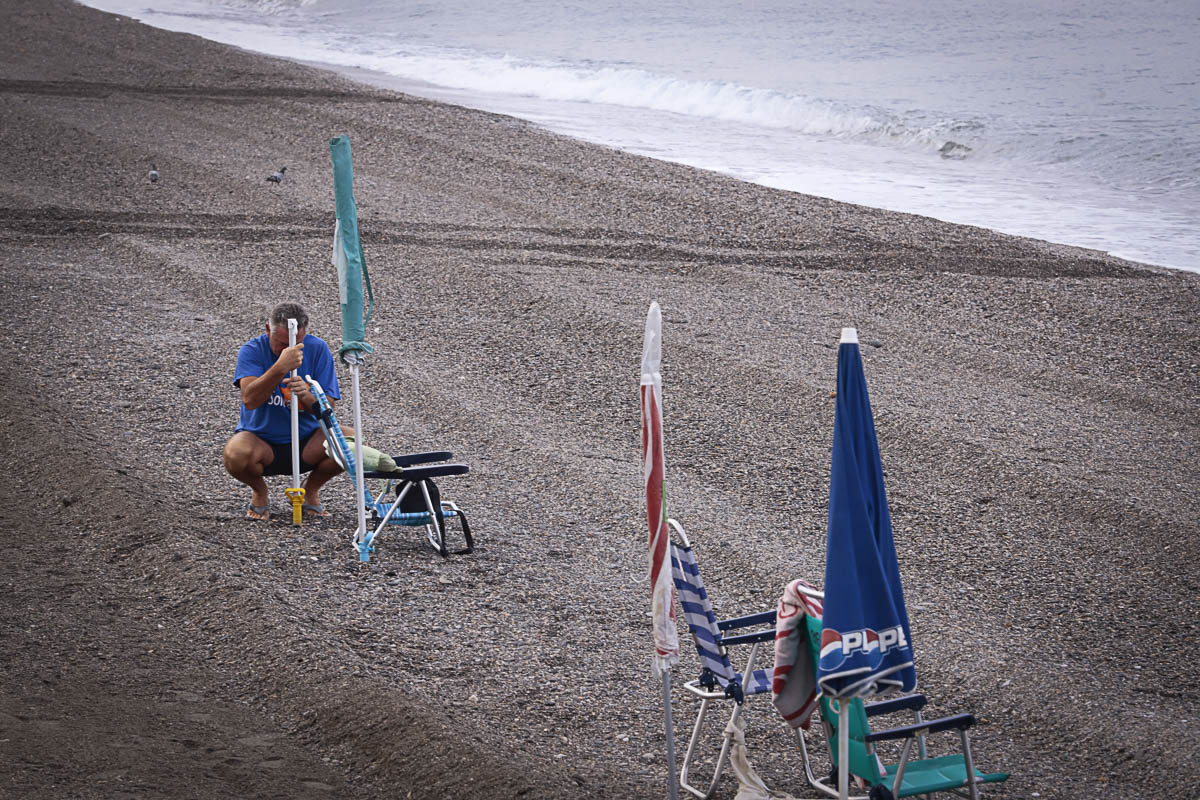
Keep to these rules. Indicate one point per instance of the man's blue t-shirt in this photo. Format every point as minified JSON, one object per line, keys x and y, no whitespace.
{"x":272,"y":421}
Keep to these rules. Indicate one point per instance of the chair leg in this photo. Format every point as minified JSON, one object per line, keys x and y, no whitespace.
{"x":685,"y":768}
{"x":436,"y":530}
{"x":466,"y":528}
{"x":805,"y":757}
{"x":969,"y":763}
{"x":905,"y":752}
{"x":383,"y":520}
{"x":722,"y":756}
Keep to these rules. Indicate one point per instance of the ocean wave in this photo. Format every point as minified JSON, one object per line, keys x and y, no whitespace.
{"x":640,"y":89}
{"x":268,"y":7}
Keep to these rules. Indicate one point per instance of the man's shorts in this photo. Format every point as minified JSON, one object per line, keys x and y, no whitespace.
{"x":282,"y":465}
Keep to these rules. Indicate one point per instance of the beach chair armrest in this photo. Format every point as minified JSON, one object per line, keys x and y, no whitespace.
{"x":380,"y":475}
{"x":912,"y":702}
{"x":957,"y":722}
{"x":415,"y":474}
{"x":408,"y":459}
{"x":748,"y":638}
{"x":761,"y":618}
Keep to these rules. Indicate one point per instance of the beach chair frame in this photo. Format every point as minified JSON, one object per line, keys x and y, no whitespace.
{"x":419,"y":478}
{"x":416,"y":473}
{"x":718,"y":681}
{"x":926,"y":776}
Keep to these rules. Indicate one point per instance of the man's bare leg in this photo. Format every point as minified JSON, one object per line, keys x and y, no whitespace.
{"x":326,"y":467}
{"x":246,"y":456}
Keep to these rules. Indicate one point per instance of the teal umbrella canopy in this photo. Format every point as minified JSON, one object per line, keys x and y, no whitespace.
{"x":348,"y":256}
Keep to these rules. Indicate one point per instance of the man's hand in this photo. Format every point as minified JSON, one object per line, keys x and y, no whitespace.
{"x":298,"y":387}
{"x":291,"y":358}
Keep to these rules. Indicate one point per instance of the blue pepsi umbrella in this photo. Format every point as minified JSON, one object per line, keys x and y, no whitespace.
{"x":866,"y":648}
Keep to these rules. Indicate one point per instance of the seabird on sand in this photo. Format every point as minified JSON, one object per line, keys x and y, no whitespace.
{"x":154,"y":173}
{"x":278,"y":176}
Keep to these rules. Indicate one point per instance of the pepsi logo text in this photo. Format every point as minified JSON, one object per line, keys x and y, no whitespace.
{"x":837,"y":647}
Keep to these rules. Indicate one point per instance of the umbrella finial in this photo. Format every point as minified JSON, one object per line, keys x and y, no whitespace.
{"x":849,"y":336}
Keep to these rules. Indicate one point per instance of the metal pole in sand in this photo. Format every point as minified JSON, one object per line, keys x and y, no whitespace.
{"x":354,"y":361}
{"x":296,"y":492}
{"x":843,"y":745}
{"x":672,"y":781}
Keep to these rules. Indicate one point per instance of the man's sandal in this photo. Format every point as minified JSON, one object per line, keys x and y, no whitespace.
{"x":258,"y":513}
{"x":310,"y":510}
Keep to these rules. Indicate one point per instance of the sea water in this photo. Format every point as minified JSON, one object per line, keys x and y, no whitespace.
{"x":1072,"y":121}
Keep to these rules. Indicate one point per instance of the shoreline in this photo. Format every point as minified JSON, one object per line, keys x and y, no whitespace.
{"x":1034,"y":404}
{"x":382,"y":80}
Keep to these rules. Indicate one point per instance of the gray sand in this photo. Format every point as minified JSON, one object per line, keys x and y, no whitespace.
{"x":1035,"y":406}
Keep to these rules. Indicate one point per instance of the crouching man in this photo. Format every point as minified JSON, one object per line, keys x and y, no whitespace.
{"x":262,"y":444}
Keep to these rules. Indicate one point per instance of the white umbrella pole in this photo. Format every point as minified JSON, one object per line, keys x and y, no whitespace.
{"x":296,"y":494}
{"x":358,"y":459}
{"x":843,"y":749}
{"x":672,"y":782}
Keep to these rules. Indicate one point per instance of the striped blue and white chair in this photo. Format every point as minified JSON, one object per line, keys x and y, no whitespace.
{"x":718,"y":682}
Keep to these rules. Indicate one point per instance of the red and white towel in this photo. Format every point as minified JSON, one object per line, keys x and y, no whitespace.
{"x":793,"y":682}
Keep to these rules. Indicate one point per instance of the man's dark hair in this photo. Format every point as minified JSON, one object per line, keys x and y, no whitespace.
{"x":285,"y":311}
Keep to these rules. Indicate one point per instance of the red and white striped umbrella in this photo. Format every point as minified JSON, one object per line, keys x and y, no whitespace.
{"x":666,"y":636}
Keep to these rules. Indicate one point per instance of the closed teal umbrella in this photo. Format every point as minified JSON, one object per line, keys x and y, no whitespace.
{"x":352,"y":275}
{"x":348,"y":256}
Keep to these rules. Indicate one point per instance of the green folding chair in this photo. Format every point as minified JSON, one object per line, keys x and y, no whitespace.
{"x":914,"y":772}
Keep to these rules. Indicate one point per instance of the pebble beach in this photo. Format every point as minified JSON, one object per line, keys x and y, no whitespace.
{"x":1035,"y":404}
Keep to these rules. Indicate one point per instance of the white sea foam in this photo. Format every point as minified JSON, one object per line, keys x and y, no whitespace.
{"x":639,"y":89}
{"x":266,"y":6}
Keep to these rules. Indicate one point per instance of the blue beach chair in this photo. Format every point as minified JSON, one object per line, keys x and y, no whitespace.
{"x":417,"y":500}
{"x":718,"y":681}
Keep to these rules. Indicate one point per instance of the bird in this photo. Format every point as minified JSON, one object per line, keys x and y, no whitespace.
{"x":154,"y":173}
{"x":278,"y":176}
